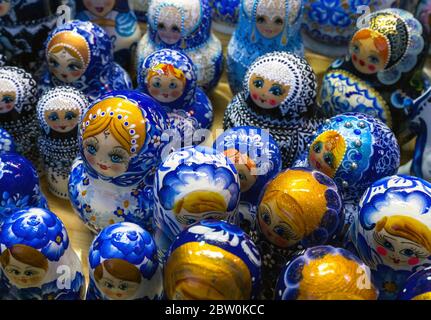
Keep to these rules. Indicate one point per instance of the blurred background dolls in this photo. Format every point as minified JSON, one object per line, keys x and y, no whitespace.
{"x":140,"y":7}
{"x":225,"y":15}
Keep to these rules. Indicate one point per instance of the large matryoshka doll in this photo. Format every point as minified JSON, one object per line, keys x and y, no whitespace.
{"x":225,"y":15}
{"x":79,"y":54}
{"x":37,"y":261}
{"x":382,"y":74}
{"x":193,"y":184}
{"x":300,"y":208}
{"x":392,"y":232}
{"x":118,"y":20}
{"x":185,"y":25}
{"x":170,"y":77}
{"x":417,"y":286}
{"x":18,"y":99}
{"x":59,"y":112}
{"x":120,"y":148}
{"x":264,"y":26}
{"x":7,"y":144}
{"x":212,"y":260}
{"x":123,"y":265}
{"x":279,"y":92}
{"x":325,"y":273}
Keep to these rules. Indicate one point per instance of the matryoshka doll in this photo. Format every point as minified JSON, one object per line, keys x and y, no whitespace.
{"x":257,"y":159}
{"x":118,"y":20}
{"x":123,"y":265}
{"x":60,"y":111}
{"x":325,"y":273}
{"x":140,"y":7}
{"x":193,"y":184}
{"x":184,"y":25}
{"x":300,"y":208}
{"x":225,"y":15}
{"x":79,"y":54}
{"x":18,"y":99}
{"x":279,"y":92}
{"x":382,"y":74}
{"x":7,"y":143}
{"x":170,"y":77}
{"x":264,"y":26}
{"x":120,"y":148}
{"x":37,"y":261}
{"x":212,"y":260}
{"x":19,"y":185}
{"x":417,"y":286}
{"x":392,"y":232}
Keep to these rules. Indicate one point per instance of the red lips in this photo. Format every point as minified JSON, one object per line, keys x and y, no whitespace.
{"x":103,"y":167}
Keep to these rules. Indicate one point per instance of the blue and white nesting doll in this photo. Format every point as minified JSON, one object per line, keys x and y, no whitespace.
{"x":184,"y":25}
{"x":279,"y":95}
{"x":37,"y":261}
{"x":59,"y":111}
{"x":225,"y":15}
{"x":7,"y":144}
{"x":79,"y":54}
{"x":118,"y":20}
{"x":18,"y":99}
{"x":212,"y":260}
{"x":193,"y":184}
{"x":264,"y":26}
{"x":140,"y":7}
{"x":170,"y":77}
{"x":120,"y":148}
{"x":123,"y":265}
{"x":19,"y":185}
{"x":392,"y":232}
{"x":257,"y":159}
{"x":382,"y":74}
{"x":417,"y":286}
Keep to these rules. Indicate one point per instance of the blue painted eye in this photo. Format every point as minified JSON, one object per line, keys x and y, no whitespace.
{"x":373,"y":59}
{"x":91,"y":150}
{"x":317,"y":148}
{"x":7,"y":99}
{"x":74,"y":67}
{"x":172,"y":85}
{"x":115,"y":158}
{"x":276,"y":90}
{"x":123,"y":287}
{"x":175,"y":29}
{"x":407,"y":252}
{"x":70,"y":115}
{"x":260,"y":19}
{"x":53,"y":63}
{"x":278,"y":21}
{"x":266,"y":217}
{"x":388,"y":245}
{"x":279,"y":231}
{"x":329,"y":159}
{"x":53,"y":116}
{"x":356,"y":49}
{"x":258,"y":83}
{"x":157,"y":84}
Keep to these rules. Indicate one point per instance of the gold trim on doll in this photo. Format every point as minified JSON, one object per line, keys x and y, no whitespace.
{"x":201,"y":271}
{"x":245,"y":167}
{"x":165,"y":82}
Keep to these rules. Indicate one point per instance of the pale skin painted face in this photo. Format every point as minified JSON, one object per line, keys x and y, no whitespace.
{"x":322,"y":158}
{"x":269,"y":27}
{"x":22,"y":275}
{"x":117,"y":289}
{"x":5,"y":6}
{"x":267,"y":94}
{"x":366,"y":57}
{"x":106,"y":155}
{"x":169,"y":30}
{"x":65,"y":67}
{"x":186,"y":218}
{"x":100,"y":8}
{"x":62,"y":120}
{"x":165,"y":88}
{"x":7,"y":101}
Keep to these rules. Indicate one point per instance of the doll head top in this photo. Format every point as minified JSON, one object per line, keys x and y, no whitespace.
{"x":60,"y":110}
{"x":7,"y":143}
{"x":169,"y":76}
{"x":212,"y":260}
{"x":388,"y":46}
{"x":120,"y":137}
{"x":284,"y":81}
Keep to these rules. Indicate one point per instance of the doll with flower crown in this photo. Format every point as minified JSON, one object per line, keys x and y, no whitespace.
{"x":264,"y":26}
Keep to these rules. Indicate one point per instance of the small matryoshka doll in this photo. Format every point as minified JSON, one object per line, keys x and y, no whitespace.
{"x":123,"y":265}
{"x":298,"y":209}
{"x":278,"y":95}
{"x":170,"y":77}
{"x":212,"y":260}
{"x":264,"y":26}
{"x":118,"y":20}
{"x":325,"y":273}
{"x":184,"y":25}
{"x":60,"y":110}
{"x":257,"y":159}
{"x":18,"y":99}
{"x":37,"y":261}
{"x":417,"y":286}
{"x":193,"y":184}
{"x":225,"y":15}
{"x":7,"y":143}
{"x":79,"y":54}
{"x":382,"y":74}
{"x":392,"y":232}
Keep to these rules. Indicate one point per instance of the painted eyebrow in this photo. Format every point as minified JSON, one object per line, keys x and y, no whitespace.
{"x":73,"y":59}
{"x":411,"y":243}
{"x":14,"y":266}
{"x":389,"y":237}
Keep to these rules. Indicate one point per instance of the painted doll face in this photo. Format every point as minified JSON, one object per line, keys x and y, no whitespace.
{"x":65,"y":67}
{"x":23,"y":275}
{"x":267,"y":94}
{"x":366,"y":57}
{"x":169,"y":26}
{"x":5,"y":6}
{"x":62,"y":120}
{"x":7,"y":101}
{"x":269,"y":27}
{"x":106,"y":155}
{"x":117,"y":289}
{"x":165,"y":88}
{"x":247,"y":180}
{"x":99,"y":8}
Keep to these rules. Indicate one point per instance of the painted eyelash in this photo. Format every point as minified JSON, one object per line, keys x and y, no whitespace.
{"x":378,"y":238}
{"x":118,"y":153}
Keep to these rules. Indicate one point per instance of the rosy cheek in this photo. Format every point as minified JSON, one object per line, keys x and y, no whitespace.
{"x":355,"y":58}
{"x":76,"y":73}
{"x":154,"y":92}
{"x":372,"y":67}
{"x":175,"y":94}
{"x":117,"y":168}
{"x":413,"y":261}
{"x":254,"y":96}
{"x":272,"y":102}
{"x":91,"y":159}
{"x":382,"y":251}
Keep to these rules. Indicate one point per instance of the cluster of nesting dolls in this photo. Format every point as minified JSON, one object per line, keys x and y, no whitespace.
{"x":301,"y":197}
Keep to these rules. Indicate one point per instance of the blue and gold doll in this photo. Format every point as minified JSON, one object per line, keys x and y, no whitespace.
{"x":79,"y":54}
{"x":37,"y":261}
{"x":417,"y":286}
{"x":184,"y":25}
{"x":120,"y":148}
{"x":225,"y":15}
{"x":123,"y":265}
{"x":264,"y":26}
{"x":170,"y":77}
{"x":212,"y":260}
{"x":7,"y":144}
{"x":59,"y":112}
